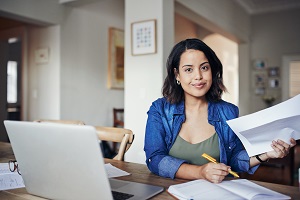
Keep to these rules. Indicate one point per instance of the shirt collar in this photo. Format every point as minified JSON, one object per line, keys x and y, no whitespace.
{"x":213,"y":113}
{"x":179,"y":108}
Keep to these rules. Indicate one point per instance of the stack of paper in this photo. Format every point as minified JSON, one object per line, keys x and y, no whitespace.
{"x":257,"y":131}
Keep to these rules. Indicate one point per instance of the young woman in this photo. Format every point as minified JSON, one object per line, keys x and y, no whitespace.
{"x":191,"y":119}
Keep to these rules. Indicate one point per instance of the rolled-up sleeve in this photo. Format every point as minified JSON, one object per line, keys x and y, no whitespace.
{"x":244,"y":163}
{"x":155,"y":145}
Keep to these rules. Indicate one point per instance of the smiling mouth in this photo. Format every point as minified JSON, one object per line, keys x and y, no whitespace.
{"x":198,"y":85}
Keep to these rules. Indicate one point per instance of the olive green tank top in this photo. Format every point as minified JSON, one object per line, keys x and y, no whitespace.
{"x":192,"y":152}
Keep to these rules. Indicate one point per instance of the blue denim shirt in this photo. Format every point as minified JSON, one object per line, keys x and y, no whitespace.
{"x":164,"y":123}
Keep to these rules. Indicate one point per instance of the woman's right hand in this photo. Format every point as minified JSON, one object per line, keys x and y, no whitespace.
{"x":214,"y":172}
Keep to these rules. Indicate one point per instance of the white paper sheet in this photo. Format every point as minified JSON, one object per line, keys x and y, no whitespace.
{"x":4,"y":168}
{"x":257,"y":131}
{"x":9,"y":180}
{"x":113,"y":171}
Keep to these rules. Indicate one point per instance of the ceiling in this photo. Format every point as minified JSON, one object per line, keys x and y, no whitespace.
{"x":254,"y":7}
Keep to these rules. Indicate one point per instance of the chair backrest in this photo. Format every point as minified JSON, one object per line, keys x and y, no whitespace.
{"x":121,"y":135}
{"x":76,"y":122}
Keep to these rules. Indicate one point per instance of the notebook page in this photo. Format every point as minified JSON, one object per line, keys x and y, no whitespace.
{"x":251,"y":190}
{"x":201,"y":189}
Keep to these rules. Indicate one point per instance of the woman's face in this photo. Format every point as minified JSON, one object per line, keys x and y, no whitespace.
{"x":194,"y":73}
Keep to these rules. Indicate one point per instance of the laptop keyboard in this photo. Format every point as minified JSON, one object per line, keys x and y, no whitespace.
{"x":121,"y":196}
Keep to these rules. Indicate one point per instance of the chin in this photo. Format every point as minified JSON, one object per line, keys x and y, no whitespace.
{"x":198,"y":96}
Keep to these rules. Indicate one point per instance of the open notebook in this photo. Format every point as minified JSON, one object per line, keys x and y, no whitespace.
{"x":239,"y":189}
{"x":59,"y":161}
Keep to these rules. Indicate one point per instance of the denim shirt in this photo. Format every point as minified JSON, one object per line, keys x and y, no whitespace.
{"x":164,"y":123}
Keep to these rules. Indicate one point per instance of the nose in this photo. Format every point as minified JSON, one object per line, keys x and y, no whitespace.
{"x":198,"y":75}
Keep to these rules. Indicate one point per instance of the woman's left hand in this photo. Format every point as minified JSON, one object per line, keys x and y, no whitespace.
{"x":281,"y":149}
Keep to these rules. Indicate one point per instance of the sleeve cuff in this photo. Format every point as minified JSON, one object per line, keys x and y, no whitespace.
{"x":168,"y":166}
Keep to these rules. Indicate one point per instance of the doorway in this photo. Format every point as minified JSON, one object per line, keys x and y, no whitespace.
{"x":10,"y":77}
{"x":14,"y":79}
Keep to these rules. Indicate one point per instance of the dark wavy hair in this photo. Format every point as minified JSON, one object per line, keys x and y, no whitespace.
{"x":174,"y":92}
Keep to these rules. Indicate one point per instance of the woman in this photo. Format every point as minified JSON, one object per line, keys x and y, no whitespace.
{"x":191,"y":119}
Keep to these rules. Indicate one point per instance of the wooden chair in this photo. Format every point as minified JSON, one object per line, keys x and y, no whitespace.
{"x":118,"y":121}
{"x":121,"y":135}
{"x":76,"y":122}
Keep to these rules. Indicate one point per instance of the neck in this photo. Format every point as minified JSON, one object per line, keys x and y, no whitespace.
{"x":196,"y":103}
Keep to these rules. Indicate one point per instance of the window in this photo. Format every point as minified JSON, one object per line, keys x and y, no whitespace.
{"x":12,"y":86}
{"x":294,"y":78}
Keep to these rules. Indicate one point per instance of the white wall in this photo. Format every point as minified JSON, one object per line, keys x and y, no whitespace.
{"x":274,"y":36}
{"x":84,"y":45}
{"x":144,"y":74}
{"x":44,"y":78}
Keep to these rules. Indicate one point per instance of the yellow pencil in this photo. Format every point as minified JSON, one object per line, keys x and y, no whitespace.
{"x":211,"y":159}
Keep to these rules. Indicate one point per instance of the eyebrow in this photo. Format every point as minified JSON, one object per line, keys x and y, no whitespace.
{"x":188,"y":65}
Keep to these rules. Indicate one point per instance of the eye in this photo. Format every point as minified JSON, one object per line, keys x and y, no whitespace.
{"x":205,"y":68}
{"x":188,"y":69}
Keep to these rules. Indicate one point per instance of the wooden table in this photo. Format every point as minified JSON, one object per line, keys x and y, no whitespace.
{"x":138,"y":173}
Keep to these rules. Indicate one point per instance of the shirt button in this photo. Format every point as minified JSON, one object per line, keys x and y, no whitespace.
{"x":149,"y":160}
{"x":229,"y":147}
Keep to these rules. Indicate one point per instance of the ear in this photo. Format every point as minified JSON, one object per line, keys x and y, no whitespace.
{"x":176,"y":74}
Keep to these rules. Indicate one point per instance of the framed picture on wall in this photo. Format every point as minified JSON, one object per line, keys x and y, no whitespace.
{"x":260,"y":64}
{"x":273,"y":71}
{"x":259,"y":91}
{"x":274,"y":83}
{"x":259,"y":78}
{"x":143,"y":37}
{"x":115,"y":78}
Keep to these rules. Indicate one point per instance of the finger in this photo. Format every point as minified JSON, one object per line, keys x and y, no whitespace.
{"x":285,"y":148}
{"x":222,"y":166}
{"x":217,"y":179}
{"x":278,"y":145}
{"x":293,"y":142}
{"x":284,"y":144}
{"x":220,"y":170}
{"x":278,"y":149}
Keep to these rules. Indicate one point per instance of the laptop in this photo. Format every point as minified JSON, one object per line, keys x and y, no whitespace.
{"x":59,"y":161}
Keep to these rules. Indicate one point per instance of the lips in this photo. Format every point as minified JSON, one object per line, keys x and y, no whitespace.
{"x":198,"y":85}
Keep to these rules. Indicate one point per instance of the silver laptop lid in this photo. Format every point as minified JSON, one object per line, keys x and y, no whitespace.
{"x":53,"y":167}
